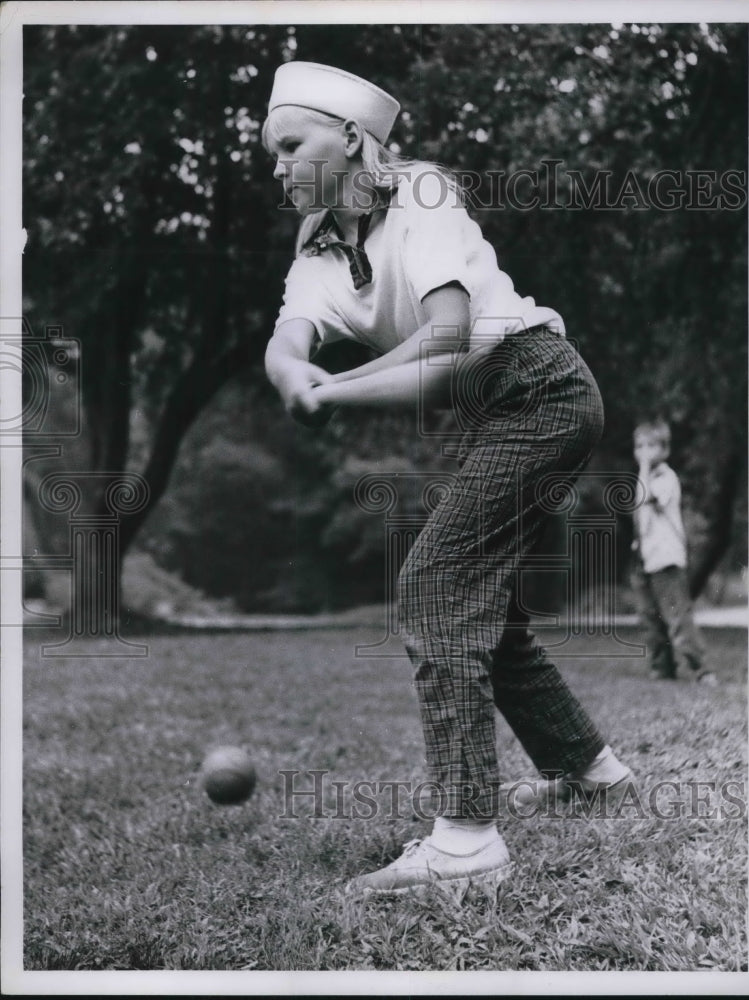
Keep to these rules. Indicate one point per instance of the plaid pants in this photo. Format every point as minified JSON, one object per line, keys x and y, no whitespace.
{"x":532,"y":413}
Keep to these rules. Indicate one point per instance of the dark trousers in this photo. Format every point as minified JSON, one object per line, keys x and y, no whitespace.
{"x":532,"y":414}
{"x":671,"y":637}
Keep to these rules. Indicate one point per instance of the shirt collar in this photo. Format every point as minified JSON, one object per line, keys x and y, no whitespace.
{"x":328,"y":235}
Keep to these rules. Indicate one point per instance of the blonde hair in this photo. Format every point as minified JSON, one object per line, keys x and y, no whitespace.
{"x":655,"y":430}
{"x":384,"y":167}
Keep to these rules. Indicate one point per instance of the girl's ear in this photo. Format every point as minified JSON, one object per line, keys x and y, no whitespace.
{"x":352,"y":138}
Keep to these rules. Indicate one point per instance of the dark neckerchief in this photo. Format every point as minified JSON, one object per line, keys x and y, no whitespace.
{"x":329,"y":235}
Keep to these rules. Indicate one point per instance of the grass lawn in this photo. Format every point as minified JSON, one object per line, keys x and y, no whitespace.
{"x":128,"y":865}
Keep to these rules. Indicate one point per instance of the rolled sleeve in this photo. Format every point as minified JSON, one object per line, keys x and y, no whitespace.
{"x":435,"y":250}
{"x":306,"y":296}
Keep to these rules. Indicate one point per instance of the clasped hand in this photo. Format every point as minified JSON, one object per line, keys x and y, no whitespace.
{"x":300,"y":380}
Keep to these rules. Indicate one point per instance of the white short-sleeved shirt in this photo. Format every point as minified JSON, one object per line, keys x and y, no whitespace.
{"x":426,"y":240}
{"x":659,"y":525}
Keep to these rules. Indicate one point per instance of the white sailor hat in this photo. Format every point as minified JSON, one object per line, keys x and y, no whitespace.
{"x":326,"y":88}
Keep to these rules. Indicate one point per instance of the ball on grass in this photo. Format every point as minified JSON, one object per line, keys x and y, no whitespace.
{"x":228,"y":776}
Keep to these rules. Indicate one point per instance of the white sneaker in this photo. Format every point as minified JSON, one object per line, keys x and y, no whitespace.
{"x":567,"y":790}
{"x":423,"y":864}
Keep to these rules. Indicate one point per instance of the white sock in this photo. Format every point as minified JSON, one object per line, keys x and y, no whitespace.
{"x":462,"y":836}
{"x":605,"y":769}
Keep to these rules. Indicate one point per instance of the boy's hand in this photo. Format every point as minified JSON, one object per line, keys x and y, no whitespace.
{"x":647,"y":455}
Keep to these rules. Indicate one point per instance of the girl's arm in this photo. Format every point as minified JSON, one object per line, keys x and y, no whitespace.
{"x":421,"y":375}
{"x":406,"y":375}
{"x":447,"y":326}
{"x":402,"y":385}
{"x":289,"y":369}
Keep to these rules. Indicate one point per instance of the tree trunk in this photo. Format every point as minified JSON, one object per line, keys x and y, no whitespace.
{"x":720,"y":521}
{"x":190,"y":395}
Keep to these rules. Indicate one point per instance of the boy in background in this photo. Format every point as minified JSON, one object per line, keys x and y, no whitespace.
{"x":672,"y":639}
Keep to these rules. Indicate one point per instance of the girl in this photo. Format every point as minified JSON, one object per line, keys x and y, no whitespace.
{"x":388,"y":256}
